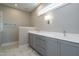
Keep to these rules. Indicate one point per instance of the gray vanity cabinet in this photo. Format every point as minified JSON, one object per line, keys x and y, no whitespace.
{"x":38,"y":43}
{"x":30,"y":39}
{"x":34,"y":41}
{"x":69,"y":48}
{"x":41,"y":44}
{"x":52,"y":47}
{"x":46,"y":46}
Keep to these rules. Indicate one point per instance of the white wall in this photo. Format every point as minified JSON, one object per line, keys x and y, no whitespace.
{"x":12,"y":19}
{"x":66,"y":18}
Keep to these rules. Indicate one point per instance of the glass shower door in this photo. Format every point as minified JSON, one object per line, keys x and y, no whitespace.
{"x":1,"y":27}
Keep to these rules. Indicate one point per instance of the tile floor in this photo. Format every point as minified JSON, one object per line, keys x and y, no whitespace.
{"x":17,"y":51}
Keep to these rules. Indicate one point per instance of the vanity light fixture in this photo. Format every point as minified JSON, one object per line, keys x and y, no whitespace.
{"x":48,"y":18}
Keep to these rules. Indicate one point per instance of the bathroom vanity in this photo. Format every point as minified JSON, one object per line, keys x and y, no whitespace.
{"x":54,"y":44}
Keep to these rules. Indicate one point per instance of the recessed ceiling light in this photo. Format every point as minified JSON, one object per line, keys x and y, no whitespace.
{"x":16,"y":5}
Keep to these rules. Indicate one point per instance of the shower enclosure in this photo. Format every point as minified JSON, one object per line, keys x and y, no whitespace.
{"x":8,"y":31}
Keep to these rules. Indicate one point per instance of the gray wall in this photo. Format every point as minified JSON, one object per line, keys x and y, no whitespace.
{"x":12,"y":19}
{"x":64,"y":18}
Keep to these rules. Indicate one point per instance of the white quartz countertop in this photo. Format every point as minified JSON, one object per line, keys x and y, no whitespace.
{"x":69,"y":36}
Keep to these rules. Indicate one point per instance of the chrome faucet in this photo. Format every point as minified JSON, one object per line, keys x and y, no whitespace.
{"x":64,"y":32}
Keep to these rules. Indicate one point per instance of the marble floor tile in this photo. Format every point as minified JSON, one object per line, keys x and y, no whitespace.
{"x":17,"y":51}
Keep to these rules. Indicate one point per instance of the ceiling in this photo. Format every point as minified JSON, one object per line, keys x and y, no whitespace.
{"x":29,"y":7}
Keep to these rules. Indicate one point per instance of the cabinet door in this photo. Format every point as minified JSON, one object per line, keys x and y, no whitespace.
{"x":77,"y":51}
{"x":42,"y":42}
{"x":36,"y":42}
{"x":40,"y":45}
{"x":52,"y":47}
{"x":33,"y":41}
{"x":68,"y":49}
{"x":30,"y":39}
{"x":43,"y":45}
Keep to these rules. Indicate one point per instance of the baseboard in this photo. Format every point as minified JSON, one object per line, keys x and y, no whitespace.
{"x":9,"y":44}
